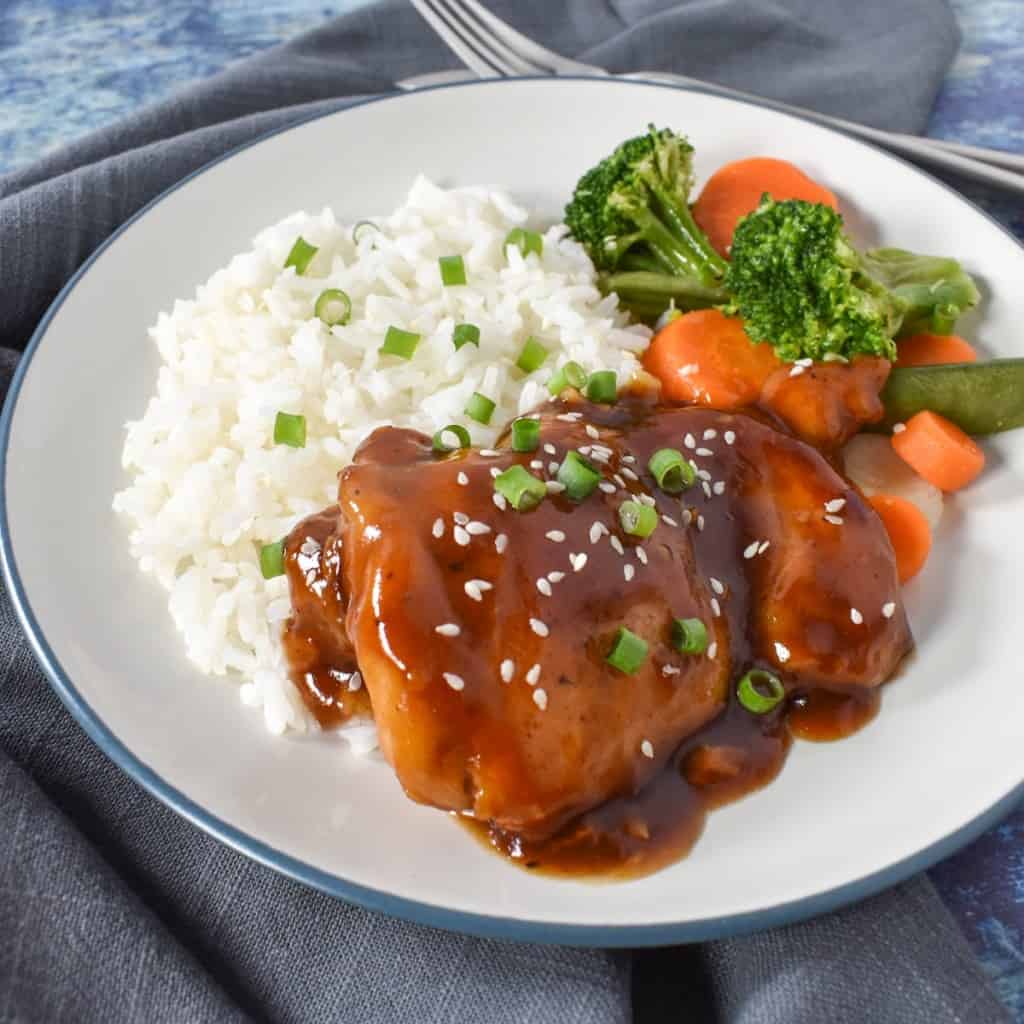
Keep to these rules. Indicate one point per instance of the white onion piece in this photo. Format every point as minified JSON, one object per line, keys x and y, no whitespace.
{"x":872,"y":464}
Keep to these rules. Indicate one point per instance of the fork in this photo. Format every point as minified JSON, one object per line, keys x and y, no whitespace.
{"x":490,"y":48}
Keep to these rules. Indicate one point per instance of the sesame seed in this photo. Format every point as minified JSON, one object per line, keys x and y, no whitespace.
{"x":855,"y":616}
{"x":489,"y":453}
{"x":438,"y":528}
{"x":460,"y":517}
{"x":554,"y":487}
{"x":477,"y":529}
{"x":690,"y":441}
{"x":834,"y":520}
{"x":710,"y":434}
{"x":500,"y":543}
{"x":689,"y":369}
{"x":716,"y":585}
{"x":597,"y":531}
{"x":670,"y":670}
{"x":540,"y":698}
{"x":495,"y":472}
{"x":628,"y":473}
{"x":628,"y":571}
{"x":550,"y":449}
{"x":600,"y":456}
{"x":355,"y":682}
{"x":704,"y":452}
{"x":592,"y":431}
{"x":750,"y":550}
{"x":629,"y":458}
{"x":619,"y":480}
{"x":552,"y":468}
{"x":781,"y":652}
{"x":805,"y":362}
{"x":556,"y":576}
{"x":536,"y":464}
{"x":707,"y":488}
{"x":796,"y":371}
{"x":463,"y":479}
{"x":447,"y":629}
{"x":475,"y":588}
{"x":763,"y":546}
{"x":455,"y":682}
{"x":889,"y":609}
{"x":730,"y":436}
{"x":569,"y":417}
{"x":602,"y":448}
{"x":702,"y":474}
{"x":607,"y":486}
{"x":499,"y":501}
{"x":898,"y":428}
{"x":578,"y":561}
{"x":544,"y":587}
{"x":718,"y":487}
{"x":584,"y":449}
{"x":835,"y":505}
{"x":668,"y":520}
{"x":556,"y":535}
{"x":716,"y":608}
{"x":641,"y":556}
{"x":507,"y":670}
{"x":687,"y":517}
{"x":647,"y":749}
{"x":700,"y":524}
{"x":645,"y":499}
{"x":533,"y":675}
{"x":616,"y":545}
{"x":540,"y":628}
{"x":461,"y":536}
{"x":712,"y":649}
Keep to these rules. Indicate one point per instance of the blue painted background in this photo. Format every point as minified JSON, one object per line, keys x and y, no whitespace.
{"x":69,"y":66}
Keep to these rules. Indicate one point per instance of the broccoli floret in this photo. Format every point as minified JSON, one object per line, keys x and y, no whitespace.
{"x":632,"y":214}
{"x":800,"y":285}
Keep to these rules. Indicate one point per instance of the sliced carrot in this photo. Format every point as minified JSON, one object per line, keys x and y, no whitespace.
{"x":705,"y":357}
{"x":736,"y":189}
{"x":939,"y":451}
{"x":931,"y":349}
{"x":908,"y":530}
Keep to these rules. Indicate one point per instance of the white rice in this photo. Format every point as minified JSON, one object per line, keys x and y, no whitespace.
{"x":209,"y":487}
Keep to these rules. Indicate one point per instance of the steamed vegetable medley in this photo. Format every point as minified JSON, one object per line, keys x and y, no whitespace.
{"x":762,"y":301}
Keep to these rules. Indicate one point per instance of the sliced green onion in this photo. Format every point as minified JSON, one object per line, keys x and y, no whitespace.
{"x":465,"y":334}
{"x":525,"y":241}
{"x":361,"y":227}
{"x":453,"y":270}
{"x":272,"y":559}
{"x":579,"y":476}
{"x":572,"y":375}
{"x":602,"y":386}
{"x":532,"y":357}
{"x":479,"y":408}
{"x":672,"y":470}
{"x":759,"y":691}
{"x":628,"y":651}
{"x":689,"y":636}
{"x":301,"y":255}
{"x":333,"y":306}
{"x":461,"y":434}
{"x":521,"y":489}
{"x":636,"y":519}
{"x":525,"y":435}
{"x":399,"y":343}
{"x":290,"y":429}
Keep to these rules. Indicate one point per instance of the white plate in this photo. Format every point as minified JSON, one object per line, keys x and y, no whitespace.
{"x":943,"y":760}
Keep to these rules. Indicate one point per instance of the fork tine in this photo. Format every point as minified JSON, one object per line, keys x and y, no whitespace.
{"x":454,"y":40}
{"x":525,"y":48}
{"x":488,"y":42}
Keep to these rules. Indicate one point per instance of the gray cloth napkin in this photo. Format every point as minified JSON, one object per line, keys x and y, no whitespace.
{"x":113,"y":909}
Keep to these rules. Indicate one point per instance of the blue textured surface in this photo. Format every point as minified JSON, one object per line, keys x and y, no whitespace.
{"x":53,"y":89}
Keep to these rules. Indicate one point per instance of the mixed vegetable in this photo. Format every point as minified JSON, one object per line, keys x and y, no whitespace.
{"x":761,"y":300}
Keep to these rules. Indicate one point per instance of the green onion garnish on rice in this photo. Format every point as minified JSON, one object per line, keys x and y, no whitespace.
{"x":479,"y":408}
{"x":333,"y":307}
{"x":465,"y":334}
{"x":521,"y":489}
{"x":301,"y":255}
{"x":399,"y":343}
{"x":290,"y":429}
{"x":525,"y":241}
{"x":361,"y":227}
{"x":532,"y":356}
{"x":272,"y":559}
{"x":525,"y":435}
{"x":572,"y":375}
{"x":453,"y":271}
{"x":603,"y":386}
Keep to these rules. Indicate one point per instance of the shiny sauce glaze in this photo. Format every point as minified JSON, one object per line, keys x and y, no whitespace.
{"x":608,"y":775}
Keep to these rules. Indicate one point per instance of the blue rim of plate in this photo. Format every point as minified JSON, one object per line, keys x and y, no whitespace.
{"x":375,"y":899}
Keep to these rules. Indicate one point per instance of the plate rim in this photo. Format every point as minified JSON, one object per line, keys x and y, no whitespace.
{"x":419,"y":911}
